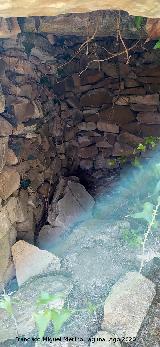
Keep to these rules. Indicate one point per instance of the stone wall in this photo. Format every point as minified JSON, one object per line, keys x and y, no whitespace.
{"x":56,"y":120}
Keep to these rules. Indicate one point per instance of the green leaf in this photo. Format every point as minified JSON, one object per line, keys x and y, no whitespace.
{"x":157,"y":45}
{"x":91,"y":308}
{"x":146,"y":214}
{"x":141,"y":147}
{"x":59,"y":317}
{"x":46,"y":298}
{"x":151,"y":140}
{"x":156,"y":170}
{"x":42,"y":320}
{"x":6,"y":304}
{"x":138,"y":22}
{"x":136,"y":163}
{"x":157,"y":188}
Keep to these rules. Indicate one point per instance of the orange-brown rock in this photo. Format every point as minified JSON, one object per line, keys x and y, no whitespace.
{"x":122,"y":150}
{"x":88,"y":152}
{"x":107,"y":127}
{"x":84,"y":140}
{"x":9,"y":182}
{"x":5,"y":127}
{"x":130,"y":139}
{"x":18,"y":65}
{"x":95,"y":98}
{"x":11,"y":158}
{"x":110,"y":69}
{"x":149,"y":117}
{"x":152,"y":99}
{"x":86,"y":164}
{"x":88,"y":126}
{"x":143,"y":108}
{"x":30,"y":261}
{"x":102,"y":143}
{"x":150,"y":130}
{"x":91,"y":77}
{"x":118,"y":114}
{"x":150,"y":71}
{"x":25,"y":110}
{"x":153,"y":28}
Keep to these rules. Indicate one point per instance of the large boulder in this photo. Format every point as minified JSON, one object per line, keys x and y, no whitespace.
{"x":30,"y":261}
{"x":48,"y":236}
{"x":75,"y":205}
{"x":127,"y":304}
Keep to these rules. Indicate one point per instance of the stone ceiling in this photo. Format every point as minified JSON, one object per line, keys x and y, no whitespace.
{"x":19,"y":8}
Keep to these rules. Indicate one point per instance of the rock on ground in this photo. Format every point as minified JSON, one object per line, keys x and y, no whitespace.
{"x":48,"y":235}
{"x":30,"y":261}
{"x":73,"y":207}
{"x":25,"y":305}
{"x":127,"y":304}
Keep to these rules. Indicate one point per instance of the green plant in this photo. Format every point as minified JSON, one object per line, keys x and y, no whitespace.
{"x":157,"y":45}
{"x":7,"y":305}
{"x":48,"y":313}
{"x":136,"y":162}
{"x":146,"y":213}
{"x":132,"y":237}
{"x":122,"y":160}
{"x":151,"y":141}
{"x":141,"y":147}
{"x":111,"y":163}
{"x":151,"y":225}
{"x":138,"y":22}
{"x":56,"y":316}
